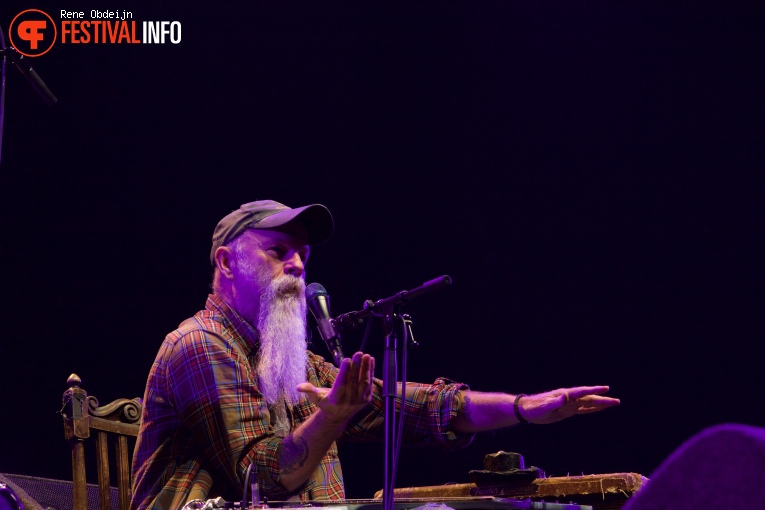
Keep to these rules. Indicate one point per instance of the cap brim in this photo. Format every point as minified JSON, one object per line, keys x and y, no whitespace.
{"x":316,"y":218}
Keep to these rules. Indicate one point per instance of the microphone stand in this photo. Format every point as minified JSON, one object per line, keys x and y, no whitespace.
{"x":387,"y":308}
{"x":390,"y":378}
{"x":29,"y":74}
{"x":25,"y":68}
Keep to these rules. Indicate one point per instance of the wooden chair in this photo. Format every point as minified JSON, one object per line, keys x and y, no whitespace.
{"x":119,"y":419}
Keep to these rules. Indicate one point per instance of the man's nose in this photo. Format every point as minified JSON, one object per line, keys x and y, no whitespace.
{"x":294,"y":265}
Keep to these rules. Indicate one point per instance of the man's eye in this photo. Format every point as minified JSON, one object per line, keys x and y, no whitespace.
{"x":278,"y":251}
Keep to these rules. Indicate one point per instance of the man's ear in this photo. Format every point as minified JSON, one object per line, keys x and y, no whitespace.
{"x":223,"y":261}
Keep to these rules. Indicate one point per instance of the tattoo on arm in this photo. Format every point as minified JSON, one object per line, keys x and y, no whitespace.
{"x":294,"y":453}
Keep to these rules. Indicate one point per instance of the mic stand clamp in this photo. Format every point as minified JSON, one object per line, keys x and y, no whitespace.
{"x":408,"y":323}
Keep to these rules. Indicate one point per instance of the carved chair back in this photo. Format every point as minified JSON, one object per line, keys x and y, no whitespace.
{"x":117,"y":420}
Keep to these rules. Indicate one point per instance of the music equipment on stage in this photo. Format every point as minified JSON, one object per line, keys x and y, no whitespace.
{"x":468,"y":503}
{"x":601,"y":492}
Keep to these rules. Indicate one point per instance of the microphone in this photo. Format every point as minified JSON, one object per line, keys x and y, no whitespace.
{"x":317,"y":300}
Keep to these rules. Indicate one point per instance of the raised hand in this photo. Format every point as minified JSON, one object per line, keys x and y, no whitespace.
{"x":351,"y":391}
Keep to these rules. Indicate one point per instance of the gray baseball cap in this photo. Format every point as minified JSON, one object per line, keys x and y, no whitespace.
{"x":268,"y":214}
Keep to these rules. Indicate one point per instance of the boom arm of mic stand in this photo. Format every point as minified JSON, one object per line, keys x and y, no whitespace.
{"x":25,"y":68}
{"x":352,"y":319}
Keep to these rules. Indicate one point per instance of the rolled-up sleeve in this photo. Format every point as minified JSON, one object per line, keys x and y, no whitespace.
{"x":429,"y":411}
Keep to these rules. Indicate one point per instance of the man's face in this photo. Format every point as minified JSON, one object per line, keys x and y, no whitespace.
{"x":263,"y":256}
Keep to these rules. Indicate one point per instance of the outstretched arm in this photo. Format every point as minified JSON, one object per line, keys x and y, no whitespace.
{"x":489,"y":411}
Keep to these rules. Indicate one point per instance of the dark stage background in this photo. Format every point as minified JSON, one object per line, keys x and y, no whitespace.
{"x":589,"y":173}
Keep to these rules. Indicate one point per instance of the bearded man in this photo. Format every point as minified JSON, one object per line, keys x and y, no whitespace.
{"x":234,"y":386}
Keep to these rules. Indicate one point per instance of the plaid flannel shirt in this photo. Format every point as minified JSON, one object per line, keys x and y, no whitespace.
{"x":204,"y":420}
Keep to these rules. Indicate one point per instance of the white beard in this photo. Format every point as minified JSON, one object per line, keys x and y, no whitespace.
{"x":277,"y":308}
{"x":282,"y":355}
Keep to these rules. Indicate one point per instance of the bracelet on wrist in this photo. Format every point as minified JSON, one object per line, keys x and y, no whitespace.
{"x":517,"y":411}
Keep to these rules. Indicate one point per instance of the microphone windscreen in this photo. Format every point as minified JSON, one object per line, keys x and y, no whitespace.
{"x":313,"y":290}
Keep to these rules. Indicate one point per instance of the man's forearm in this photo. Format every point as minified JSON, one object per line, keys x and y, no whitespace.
{"x":302,"y":450}
{"x":485,"y":411}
